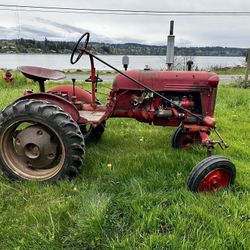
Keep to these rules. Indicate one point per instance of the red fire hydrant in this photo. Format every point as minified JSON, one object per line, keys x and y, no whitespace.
{"x":8,"y":77}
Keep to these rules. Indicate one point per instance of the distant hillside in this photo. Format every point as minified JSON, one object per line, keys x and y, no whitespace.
{"x":63,"y":47}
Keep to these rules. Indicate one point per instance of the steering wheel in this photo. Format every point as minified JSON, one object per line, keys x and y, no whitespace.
{"x":79,"y":48}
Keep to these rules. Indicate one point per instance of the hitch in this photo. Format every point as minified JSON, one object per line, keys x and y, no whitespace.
{"x":221,"y":142}
{"x":209,"y":143}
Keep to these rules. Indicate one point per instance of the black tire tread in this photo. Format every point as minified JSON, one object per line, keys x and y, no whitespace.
{"x":62,"y":122}
{"x":95,"y":134}
{"x":204,"y":167}
{"x":175,"y":137}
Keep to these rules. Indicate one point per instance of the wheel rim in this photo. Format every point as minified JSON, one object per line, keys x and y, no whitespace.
{"x":32,"y":150}
{"x":215,"y":180}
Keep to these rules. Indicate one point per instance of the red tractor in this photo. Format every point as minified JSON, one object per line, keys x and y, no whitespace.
{"x":42,"y":134}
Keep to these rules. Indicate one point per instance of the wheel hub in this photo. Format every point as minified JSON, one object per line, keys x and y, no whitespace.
{"x":36,"y":147}
{"x":32,"y":151}
{"x":215,"y":180}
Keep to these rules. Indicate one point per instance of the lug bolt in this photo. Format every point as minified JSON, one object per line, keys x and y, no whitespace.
{"x":39,"y":132}
{"x":51,"y":155}
{"x":29,"y":164}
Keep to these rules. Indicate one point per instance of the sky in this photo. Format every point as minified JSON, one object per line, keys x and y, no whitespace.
{"x":226,"y":31}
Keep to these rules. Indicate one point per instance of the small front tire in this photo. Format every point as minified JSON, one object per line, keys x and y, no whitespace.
{"x":184,"y":140}
{"x":211,"y":174}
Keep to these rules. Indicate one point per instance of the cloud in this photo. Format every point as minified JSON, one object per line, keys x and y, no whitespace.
{"x":180,"y":42}
{"x":189,"y":30}
{"x":61,"y":26}
{"x":8,"y":32}
{"x":73,"y":32}
{"x":38,"y":33}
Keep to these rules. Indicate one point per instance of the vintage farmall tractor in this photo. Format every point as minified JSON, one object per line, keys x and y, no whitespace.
{"x":42,"y":134}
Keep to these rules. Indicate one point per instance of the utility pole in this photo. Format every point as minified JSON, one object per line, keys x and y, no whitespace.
{"x":170,"y":47}
{"x":248,"y":65}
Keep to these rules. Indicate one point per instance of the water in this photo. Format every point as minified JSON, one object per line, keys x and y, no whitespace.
{"x":62,"y":62}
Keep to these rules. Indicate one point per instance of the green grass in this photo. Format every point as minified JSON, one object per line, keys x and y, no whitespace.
{"x":229,"y":70}
{"x":131,"y":193}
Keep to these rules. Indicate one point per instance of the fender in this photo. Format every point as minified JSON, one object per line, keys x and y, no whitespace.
{"x":82,"y":95}
{"x":67,"y":106}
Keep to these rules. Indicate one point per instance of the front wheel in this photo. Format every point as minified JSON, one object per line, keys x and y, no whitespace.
{"x":182,"y":139}
{"x":213,"y":173}
{"x":39,"y":141}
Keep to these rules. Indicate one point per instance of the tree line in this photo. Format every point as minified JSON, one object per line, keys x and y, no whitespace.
{"x":65,"y":47}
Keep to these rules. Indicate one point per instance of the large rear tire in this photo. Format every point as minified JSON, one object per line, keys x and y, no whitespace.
{"x":39,"y":141}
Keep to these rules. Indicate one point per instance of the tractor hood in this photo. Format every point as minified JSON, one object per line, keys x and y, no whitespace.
{"x":167,"y":80}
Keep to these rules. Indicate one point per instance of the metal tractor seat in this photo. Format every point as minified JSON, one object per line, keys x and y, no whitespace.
{"x":41,"y":75}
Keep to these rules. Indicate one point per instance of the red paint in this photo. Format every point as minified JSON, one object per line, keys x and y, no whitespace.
{"x":8,"y":78}
{"x":96,"y":108}
{"x":166,"y":80}
{"x":195,"y":127}
{"x":215,"y":180}
{"x":38,"y":73}
{"x":192,"y":91}
{"x":204,"y":136}
{"x":127,"y":99}
{"x":213,"y":81}
{"x":188,"y":139}
{"x":81,"y":94}
{"x":93,"y":78}
{"x":209,"y":121}
{"x":174,"y":83}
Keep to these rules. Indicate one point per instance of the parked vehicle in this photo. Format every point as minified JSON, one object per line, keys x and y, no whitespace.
{"x":42,"y":134}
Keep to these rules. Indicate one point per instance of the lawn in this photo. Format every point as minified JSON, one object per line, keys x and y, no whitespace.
{"x":229,"y":70}
{"x":132,"y":194}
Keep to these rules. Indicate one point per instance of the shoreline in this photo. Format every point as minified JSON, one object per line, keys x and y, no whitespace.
{"x":234,"y":70}
{"x":62,"y":63}
{"x":64,"y":54}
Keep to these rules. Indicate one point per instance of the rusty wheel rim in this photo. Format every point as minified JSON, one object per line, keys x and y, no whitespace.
{"x":32,"y":150}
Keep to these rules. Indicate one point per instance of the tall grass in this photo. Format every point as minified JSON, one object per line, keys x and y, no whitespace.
{"x":131,"y":193}
{"x":238,"y":70}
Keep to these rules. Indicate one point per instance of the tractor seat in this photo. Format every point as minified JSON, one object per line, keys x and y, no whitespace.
{"x":41,"y":74}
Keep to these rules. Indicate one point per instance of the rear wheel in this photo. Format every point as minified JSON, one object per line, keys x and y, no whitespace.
{"x":182,"y":139}
{"x":39,"y":142}
{"x":213,"y":173}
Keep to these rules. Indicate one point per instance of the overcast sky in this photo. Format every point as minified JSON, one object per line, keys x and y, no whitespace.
{"x":230,"y":31}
